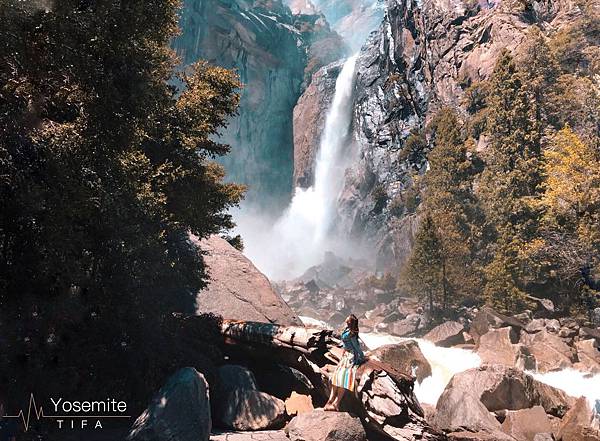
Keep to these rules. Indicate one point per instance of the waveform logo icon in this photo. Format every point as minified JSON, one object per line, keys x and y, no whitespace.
{"x":32,"y":410}
{"x":83,"y":412}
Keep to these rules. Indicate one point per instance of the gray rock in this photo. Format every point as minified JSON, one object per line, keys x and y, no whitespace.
{"x":524,"y":424}
{"x":550,"y":351}
{"x":325,"y":426}
{"x":241,"y":406}
{"x":233,"y":377}
{"x":405,"y":356}
{"x":246,"y":409}
{"x":179,"y":411}
{"x":471,"y":395}
{"x":447,"y":334}
{"x":536,"y":325}
{"x":237,"y":289}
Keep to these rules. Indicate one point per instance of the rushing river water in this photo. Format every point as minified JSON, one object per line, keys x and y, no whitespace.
{"x":445,"y":362}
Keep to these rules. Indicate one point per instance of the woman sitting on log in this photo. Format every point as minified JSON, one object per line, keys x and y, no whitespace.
{"x":344,"y":375}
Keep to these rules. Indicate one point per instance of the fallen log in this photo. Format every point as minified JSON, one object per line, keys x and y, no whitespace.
{"x":384,"y":397}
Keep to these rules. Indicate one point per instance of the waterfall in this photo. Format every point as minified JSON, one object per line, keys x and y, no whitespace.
{"x":300,"y":236}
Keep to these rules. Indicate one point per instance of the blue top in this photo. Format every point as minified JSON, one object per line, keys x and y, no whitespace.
{"x":350,"y":341}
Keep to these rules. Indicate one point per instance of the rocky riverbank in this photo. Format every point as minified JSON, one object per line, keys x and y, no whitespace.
{"x":272,"y":380}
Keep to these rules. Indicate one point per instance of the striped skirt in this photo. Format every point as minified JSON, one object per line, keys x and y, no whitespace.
{"x":344,"y":374}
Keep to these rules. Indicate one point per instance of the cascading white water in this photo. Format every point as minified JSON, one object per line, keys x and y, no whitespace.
{"x":445,"y":362}
{"x":300,"y":236}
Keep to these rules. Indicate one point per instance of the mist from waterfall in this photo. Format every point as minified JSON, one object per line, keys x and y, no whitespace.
{"x":283,"y":248}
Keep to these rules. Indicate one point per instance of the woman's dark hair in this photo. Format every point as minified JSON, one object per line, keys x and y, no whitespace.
{"x":352,"y":322}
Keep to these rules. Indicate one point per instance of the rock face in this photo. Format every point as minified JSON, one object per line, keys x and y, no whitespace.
{"x":471,"y":395}
{"x":325,"y":426}
{"x":309,"y":121}
{"x":406,"y":357}
{"x":179,"y":411}
{"x":274,"y":52}
{"x":420,"y":59}
{"x":242,"y":406}
{"x":237,"y":290}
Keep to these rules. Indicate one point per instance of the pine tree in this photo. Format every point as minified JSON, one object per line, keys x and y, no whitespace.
{"x":423,"y":274}
{"x":449,"y":212}
{"x":449,"y":201}
{"x":508,"y":183}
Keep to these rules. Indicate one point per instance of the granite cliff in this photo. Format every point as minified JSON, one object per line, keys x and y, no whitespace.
{"x":274,"y":52}
{"x":423,"y":57}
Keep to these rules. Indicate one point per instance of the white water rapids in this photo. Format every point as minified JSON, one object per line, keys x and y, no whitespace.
{"x":445,"y":362}
{"x":298,"y":239}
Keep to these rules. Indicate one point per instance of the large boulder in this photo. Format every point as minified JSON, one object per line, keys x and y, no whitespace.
{"x":319,"y":425}
{"x":241,"y":406}
{"x":405,"y":356}
{"x":550,"y":351}
{"x":179,"y":411}
{"x":247,"y":409}
{"x":493,"y":388}
{"x":525,"y":424}
{"x":456,"y":411}
{"x":588,"y":354}
{"x":237,"y":289}
{"x":487,"y":318}
{"x":405,"y":327}
{"x":447,"y":334}
{"x":497,"y":346}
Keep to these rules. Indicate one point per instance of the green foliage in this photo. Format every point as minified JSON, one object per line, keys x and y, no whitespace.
{"x":423,"y":274}
{"x":569,"y":242}
{"x":105,"y":169}
{"x":449,"y":221}
{"x":509,"y":181}
{"x":521,"y":215}
{"x":414,"y":147}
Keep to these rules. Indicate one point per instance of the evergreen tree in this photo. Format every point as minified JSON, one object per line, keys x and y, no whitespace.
{"x":424,"y":272}
{"x":508,"y":183}
{"x":449,"y":210}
